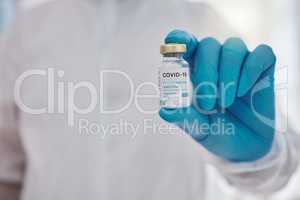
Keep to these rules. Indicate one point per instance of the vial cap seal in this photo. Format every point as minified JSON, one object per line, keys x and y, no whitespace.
{"x":172,"y":48}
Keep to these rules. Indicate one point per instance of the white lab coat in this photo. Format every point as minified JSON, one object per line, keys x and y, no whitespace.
{"x":62,"y":161}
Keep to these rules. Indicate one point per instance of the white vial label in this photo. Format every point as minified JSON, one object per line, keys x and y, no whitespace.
{"x":175,"y":87}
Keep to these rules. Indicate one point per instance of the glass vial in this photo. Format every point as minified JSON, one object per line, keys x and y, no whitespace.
{"x":174,"y":77}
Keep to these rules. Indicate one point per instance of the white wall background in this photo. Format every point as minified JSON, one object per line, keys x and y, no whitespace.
{"x":32,"y":3}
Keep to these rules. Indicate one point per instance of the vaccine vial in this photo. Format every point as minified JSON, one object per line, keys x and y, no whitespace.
{"x":174,"y":77}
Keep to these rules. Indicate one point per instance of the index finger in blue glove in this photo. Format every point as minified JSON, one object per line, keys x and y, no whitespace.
{"x":261,"y":59}
{"x":233,"y":54}
{"x":183,"y":37}
{"x":205,"y":76}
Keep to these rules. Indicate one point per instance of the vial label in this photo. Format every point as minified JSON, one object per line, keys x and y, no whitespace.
{"x":175,"y":87}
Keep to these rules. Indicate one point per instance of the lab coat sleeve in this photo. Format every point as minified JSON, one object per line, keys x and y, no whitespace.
{"x":267,"y":175}
{"x":11,"y":151}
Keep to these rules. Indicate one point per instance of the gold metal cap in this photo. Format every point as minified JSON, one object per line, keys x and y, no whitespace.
{"x":172,"y":48}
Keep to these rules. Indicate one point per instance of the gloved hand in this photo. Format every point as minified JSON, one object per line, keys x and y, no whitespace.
{"x":233,"y":109}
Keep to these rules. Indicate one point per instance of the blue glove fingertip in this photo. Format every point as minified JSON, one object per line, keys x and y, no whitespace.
{"x":183,"y":37}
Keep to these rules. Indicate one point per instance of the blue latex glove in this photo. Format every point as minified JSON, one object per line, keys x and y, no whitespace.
{"x":7,"y":13}
{"x":245,"y":108}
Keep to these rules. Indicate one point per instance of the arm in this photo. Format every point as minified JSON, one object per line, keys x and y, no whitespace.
{"x":266,"y":175}
{"x":12,"y":158}
{"x":250,"y":154}
{"x":10,"y":191}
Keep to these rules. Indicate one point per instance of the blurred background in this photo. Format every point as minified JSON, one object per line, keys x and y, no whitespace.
{"x":275,"y":22}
